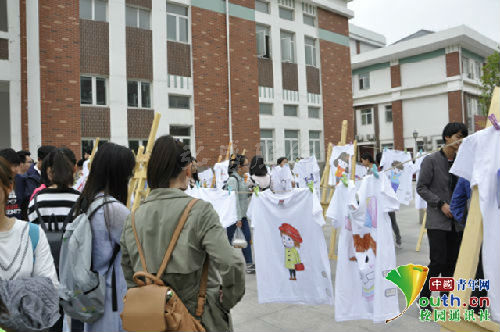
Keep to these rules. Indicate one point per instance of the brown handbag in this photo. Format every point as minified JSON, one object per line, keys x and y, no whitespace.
{"x":154,"y":307}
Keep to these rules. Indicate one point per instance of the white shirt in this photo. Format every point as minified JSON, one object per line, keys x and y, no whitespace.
{"x":302,"y":210}
{"x":221,"y":174}
{"x":206,"y":178}
{"x":281,"y":178}
{"x":478,"y":160}
{"x":401,"y":176}
{"x":419,"y":201}
{"x":340,"y":162}
{"x":366,"y":250}
{"x":307,"y":170}
{"x":16,"y":255}
{"x":224,"y":202}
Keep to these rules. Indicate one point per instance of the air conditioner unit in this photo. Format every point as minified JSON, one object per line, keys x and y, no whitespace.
{"x":359,"y":138}
{"x":370,"y":137}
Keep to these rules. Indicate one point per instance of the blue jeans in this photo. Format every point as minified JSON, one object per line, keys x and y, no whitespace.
{"x":247,"y":252}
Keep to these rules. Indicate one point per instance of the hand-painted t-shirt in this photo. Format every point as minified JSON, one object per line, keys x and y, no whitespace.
{"x":206,"y":178}
{"x":221,"y":174}
{"x":419,"y":201}
{"x":365,"y":251}
{"x":478,"y":160}
{"x":281,"y":178}
{"x":291,"y":258}
{"x":340,"y":163}
{"x":307,"y":170}
{"x":224,"y":203}
{"x":400,"y":173}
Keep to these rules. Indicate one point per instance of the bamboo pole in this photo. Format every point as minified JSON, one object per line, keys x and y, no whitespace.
{"x":423,"y":231}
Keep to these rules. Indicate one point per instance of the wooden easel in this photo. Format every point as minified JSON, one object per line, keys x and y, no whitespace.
{"x":468,"y":258}
{"x":328,"y":190}
{"x":92,"y":154}
{"x":423,"y":231}
{"x":138,"y":182}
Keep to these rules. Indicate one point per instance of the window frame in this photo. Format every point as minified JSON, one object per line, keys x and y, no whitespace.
{"x":182,"y":138}
{"x":315,"y":108}
{"x":364,"y":81}
{"x":138,"y":17}
{"x":139,"y":94}
{"x":263,"y":2}
{"x":388,"y":109}
{"x":177,"y":24}
{"x":182,"y":96}
{"x":93,"y":11}
{"x":291,"y":141}
{"x":266,"y":32}
{"x":6,"y":21}
{"x":140,"y":142}
{"x":304,"y":15}
{"x":272,"y":109}
{"x":296,"y":107}
{"x":94,"y":90}
{"x":286,"y":8}
{"x":313,"y":143}
{"x":314,"y":51}
{"x":291,"y":39}
{"x":366,"y":114}
{"x":268,"y":142}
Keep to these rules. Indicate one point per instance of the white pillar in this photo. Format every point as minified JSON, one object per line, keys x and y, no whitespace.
{"x":117,"y":72}
{"x":33,"y":67}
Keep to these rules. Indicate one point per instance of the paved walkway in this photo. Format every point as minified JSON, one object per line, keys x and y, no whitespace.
{"x":249,"y":315}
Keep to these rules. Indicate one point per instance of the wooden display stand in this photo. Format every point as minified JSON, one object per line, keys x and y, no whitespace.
{"x":423,"y":231}
{"x":92,"y":154}
{"x":468,"y":258}
{"x":220,"y":160}
{"x":138,"y":182}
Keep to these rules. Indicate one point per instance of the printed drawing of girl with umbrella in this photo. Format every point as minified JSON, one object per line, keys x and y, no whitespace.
{"x":291,"y":241}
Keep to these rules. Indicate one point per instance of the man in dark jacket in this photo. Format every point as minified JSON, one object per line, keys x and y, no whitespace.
{"x":435,"y":185}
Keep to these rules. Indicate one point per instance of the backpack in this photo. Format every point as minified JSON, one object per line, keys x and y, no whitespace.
{"x":154,"y":307}
{"x":83,"y":290}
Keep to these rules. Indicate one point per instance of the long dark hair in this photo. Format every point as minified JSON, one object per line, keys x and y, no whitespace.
{"x":59,"y":160}
{"x":109,"y":173}
{"x":238,"y":160}
{"x":6,"y":178}
{"x":257,"y":166}
{"x":168,"y":158}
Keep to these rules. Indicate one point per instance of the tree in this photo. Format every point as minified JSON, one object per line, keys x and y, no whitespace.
{"x":489,"y":79}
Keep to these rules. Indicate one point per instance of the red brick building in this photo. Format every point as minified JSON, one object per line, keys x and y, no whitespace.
{"x":74,"y":71}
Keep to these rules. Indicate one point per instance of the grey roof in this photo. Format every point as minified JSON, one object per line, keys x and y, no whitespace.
{"x":417,"y":34}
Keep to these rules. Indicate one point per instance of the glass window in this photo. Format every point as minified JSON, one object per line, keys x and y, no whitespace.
{"x":100,"y":85}
{"x":183,"y":29}
{"x":177,"y":23}
{"x":131,"y":17}
{"x":291,"y":144}
{"x":287,"y":47}
{"x":172,"y":27}
{"x":4,"y":26}
{"x":145,"y":95}
{"x":309,"y":20}
{"x":85,"y":90}
{"x":180,"y":131}
{"x":181,"y":102}
{"x":133,"y":145}
{"x":290,"y":110}
{"x":263,"y":41}
{"x":266,"y":144}
{"x":313,"y":112}
{"x":315,"y":143}
{"x":388,"y":113}
{"x":366,"y":117}
{"x":286,"y":13}
{"x":100,"y":10}
{"x":176,"y":9}
{"x":364,"y":81}
{"x":262,"y":6}
{"x":144,"y":18}
{"x":86,"y":9}
{"x":310,"y":45}
{"x":132,"y":94}
{"x":266,"y":109}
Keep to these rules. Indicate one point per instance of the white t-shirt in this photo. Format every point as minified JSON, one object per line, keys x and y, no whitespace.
{"x":299,"y":213}
{"x":16,"y":255}
{"x":307,"y":170}
{"x":340,"y":162}
{"x":419,"y":201}
{"x":401,"y":176}
{"x":206,"y":178}
{"x":365,"y":250}
{"x":82,"y":180}
{"x":281,"y":178}
{"x":221,"y":174}
{"x":224,"y":202}
{"x":478,"y":160}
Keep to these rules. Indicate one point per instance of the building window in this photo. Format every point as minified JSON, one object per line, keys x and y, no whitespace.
{"x":263,"y":41}
{"x":420,"y":146}
{"x":313,"y":112}
{"x":291,"y":144}
{"x":139,"y":94}
{"x":364,"y":81}
{"x":290,"y":110}
{"x":4,"y":26}
{"x":366,"y":117}
{"x":92,"y":90}
{"x":388,"y":113}
{"x":180,"y":102}
{"x":134,"y":144}
{"x":266,"y":145}
{"x":265,"y":109}
{"x":309,"y":20}
{"x":287,"y":47}
{"x":262,"y":6}
{"x":314,"y":143}
{"x":471,"y":68}
{"x":177,"y":23}
{"x":96,"y":10}
{"x":310,"y":51}
{"x":439,"y":143}
{"x":182,"y":133}
{"x":138,"y":18}
{"x":473,"y":109}
{"x":88,"y":144}
{"x":387,"y":146}
{"x":286,"y":13}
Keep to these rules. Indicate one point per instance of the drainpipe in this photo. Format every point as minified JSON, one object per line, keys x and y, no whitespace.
{"x":229,"y":77}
